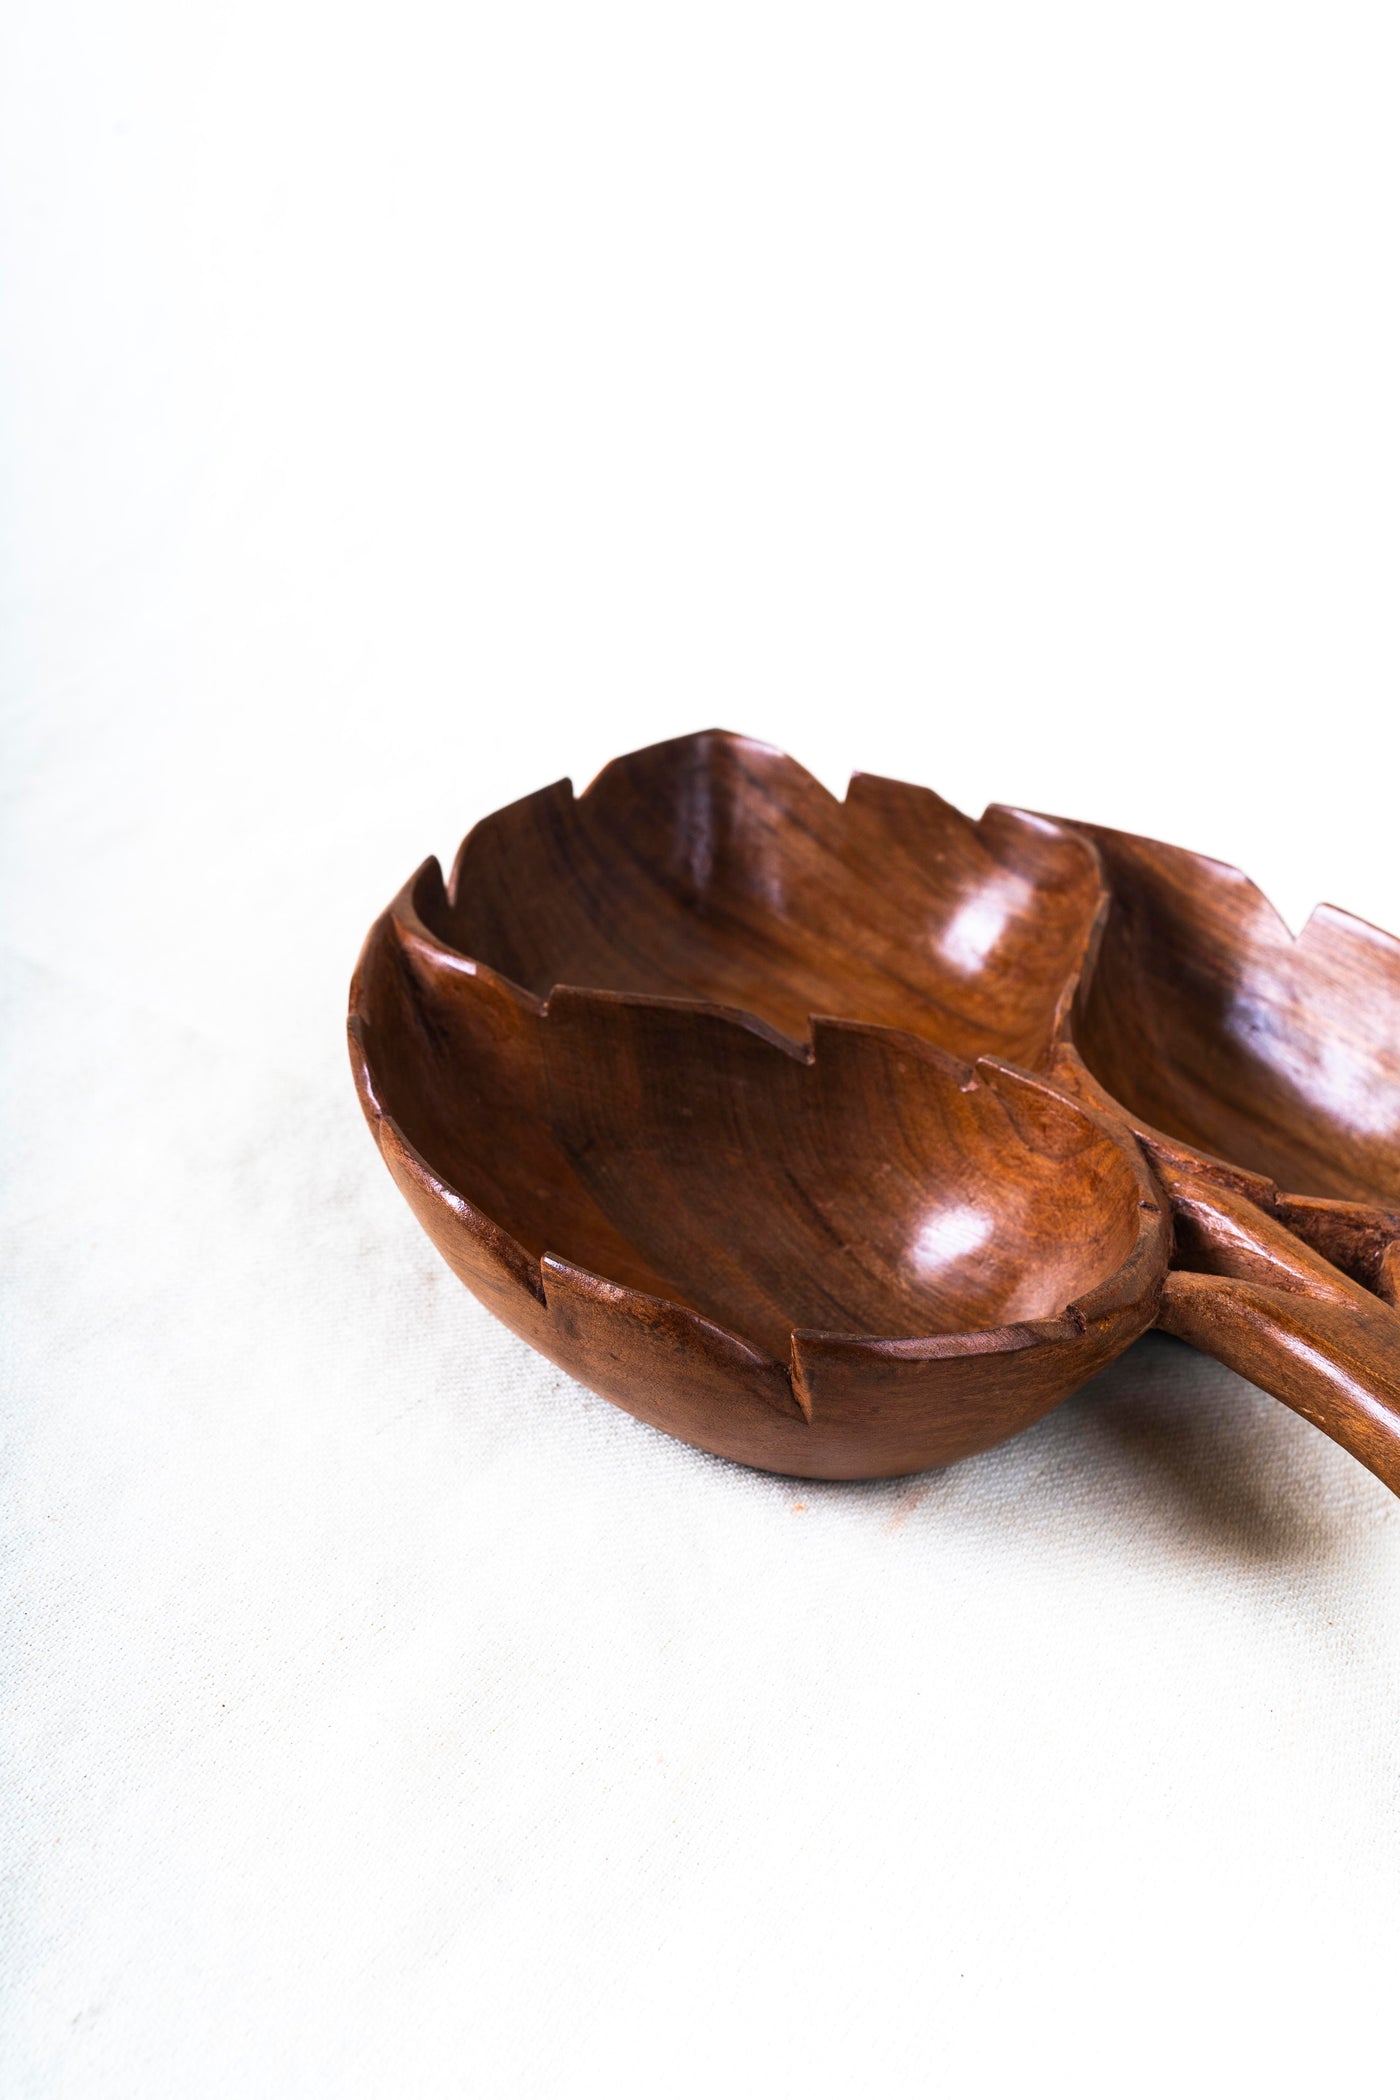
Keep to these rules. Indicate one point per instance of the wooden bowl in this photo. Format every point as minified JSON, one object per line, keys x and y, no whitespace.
{"x":864,"y":1257}
{"x":842,"y":1262}
{"x":716,"y":868}
{"x":1270,"y":1062}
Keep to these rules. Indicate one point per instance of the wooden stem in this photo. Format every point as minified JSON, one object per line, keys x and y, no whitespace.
{"x":1247,"y":1292}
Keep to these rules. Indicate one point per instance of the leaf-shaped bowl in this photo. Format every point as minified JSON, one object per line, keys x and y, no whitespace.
{"x":713,"y":867}
{"x":847,"y":1261}
{"x":1268,"y":1060}
{"x":549,"y":1140}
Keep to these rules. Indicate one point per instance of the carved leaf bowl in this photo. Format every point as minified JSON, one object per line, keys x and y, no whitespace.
{"x":1269,"y":1059}
{"x":844,"y":1260}
{"x":810,"y":1130}
{"x":716,"y":868}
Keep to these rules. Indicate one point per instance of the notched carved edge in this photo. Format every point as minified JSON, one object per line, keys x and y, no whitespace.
{"x":1324,"y":923}
{"x":554,"y":1286}
{"x":1360,"y":1239}
{"x":1003,"y":832}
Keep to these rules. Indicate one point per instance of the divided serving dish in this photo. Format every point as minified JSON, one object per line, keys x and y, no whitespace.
{"x":846,"y":1138}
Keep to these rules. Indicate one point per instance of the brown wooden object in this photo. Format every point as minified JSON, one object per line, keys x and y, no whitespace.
{"x":716,"y":868}
{"x":845,"y":1261}
{"x":1262,"y":1060}
{"x":836,"y":1247}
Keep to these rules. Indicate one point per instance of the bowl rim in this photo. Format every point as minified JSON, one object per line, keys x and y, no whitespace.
{"x":1133,"y":1285}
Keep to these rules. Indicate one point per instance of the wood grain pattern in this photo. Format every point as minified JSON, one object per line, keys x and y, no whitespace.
{"x":844,"y":1261}
{"x":1269,"y":1063}
{"x":1207,"y":1019}
{"x":1248,"y":1291}
{"x":716,"y":868}
{"x":824,"y":1245}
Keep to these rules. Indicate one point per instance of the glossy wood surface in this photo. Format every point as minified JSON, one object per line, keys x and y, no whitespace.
{"x":1265,"y":1062}
{"x":857,"y":1258}
{"x":850,"y":1261}
{"x":716,"y":868}
{"x":1246,"y":1290}
{"x":1211,"y":1022}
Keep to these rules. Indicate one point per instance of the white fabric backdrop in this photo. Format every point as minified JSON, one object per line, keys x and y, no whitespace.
{"x":403,"y":412}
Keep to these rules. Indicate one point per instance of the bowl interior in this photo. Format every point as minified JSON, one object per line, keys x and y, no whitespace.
{"x":715,"y":868}
{"x":871,"y":1187}
{"x":1208,"y":1019}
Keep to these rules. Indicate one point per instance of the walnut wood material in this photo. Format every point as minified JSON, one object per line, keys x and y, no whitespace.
{"x":1266,"y":1062}
{"x":1210,"y":1022}
{"x":832,"y":1260}
{"x":1246,"y":1290}
{"x":843,"y":1262}
{"x":716,"y":868}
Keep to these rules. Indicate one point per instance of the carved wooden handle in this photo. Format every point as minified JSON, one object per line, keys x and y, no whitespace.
{"x":1246,"y":1291}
